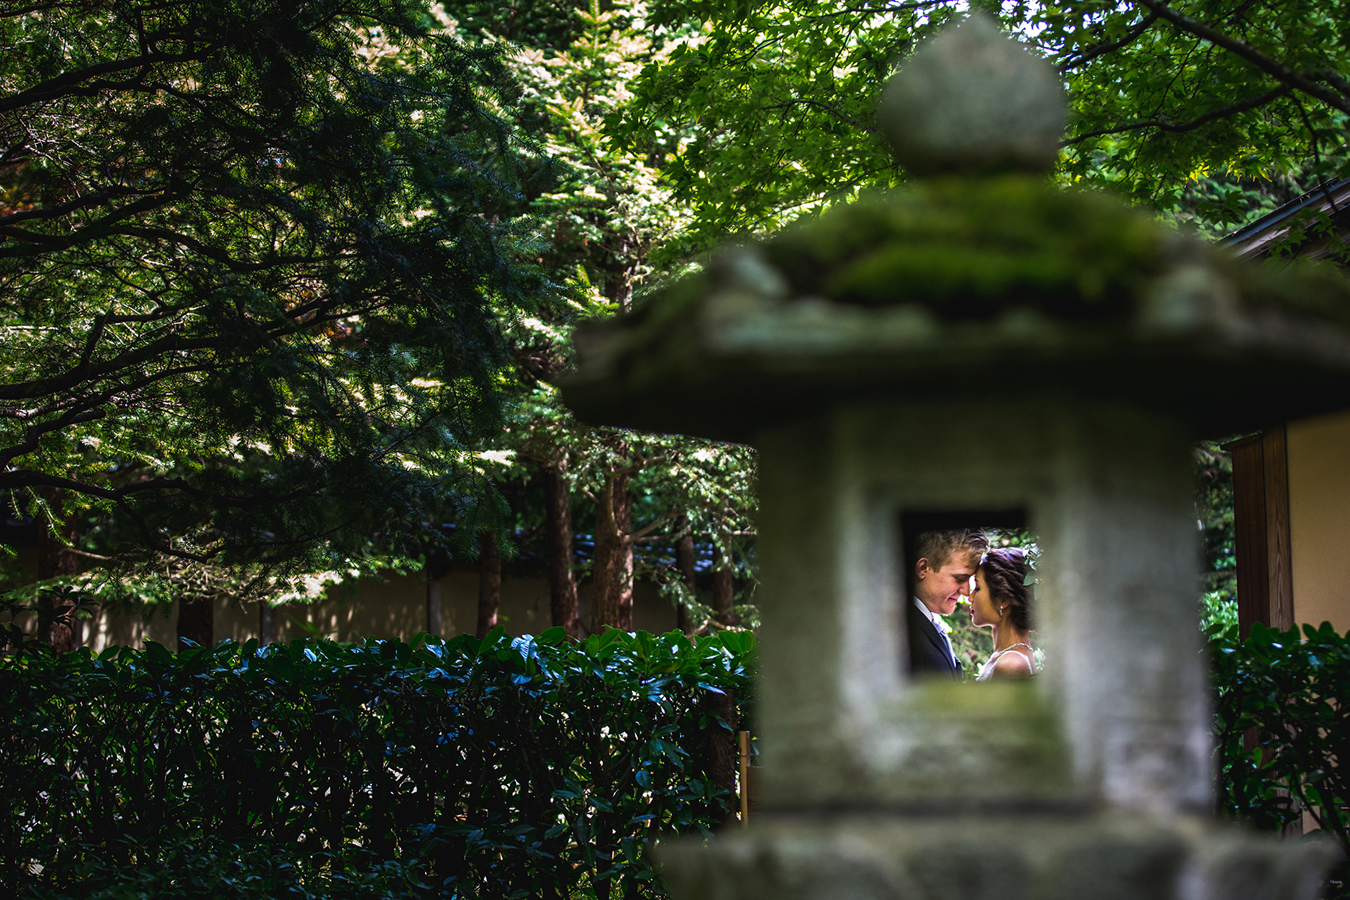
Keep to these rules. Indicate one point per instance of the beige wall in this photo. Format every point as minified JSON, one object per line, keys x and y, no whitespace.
{"x":131,"y":627}
{"x":1319,"y":519}
{"x":392,"y":607}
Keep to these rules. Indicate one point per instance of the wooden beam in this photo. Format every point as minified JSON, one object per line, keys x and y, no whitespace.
{"x":1265,"y":584}
{"x":1249,"y":527}
{"x":1279,"y":572}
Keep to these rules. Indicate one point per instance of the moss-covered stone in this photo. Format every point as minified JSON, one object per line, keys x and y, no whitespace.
{"x":970,"y":249}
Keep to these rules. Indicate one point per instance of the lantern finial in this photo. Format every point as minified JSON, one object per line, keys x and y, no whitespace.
{"x":974,"y":101}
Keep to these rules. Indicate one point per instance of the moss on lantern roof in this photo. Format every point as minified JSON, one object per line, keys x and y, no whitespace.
{"x":972,"y":248}
{"x":976,"y":249}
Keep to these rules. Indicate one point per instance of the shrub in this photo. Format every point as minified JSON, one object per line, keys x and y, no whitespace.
{"x":1283,"y":727}
{"x":501,"y":768}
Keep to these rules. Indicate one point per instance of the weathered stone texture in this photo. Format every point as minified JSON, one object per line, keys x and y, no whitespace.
{"x":971,"y":101}
{"x":992,"y":857}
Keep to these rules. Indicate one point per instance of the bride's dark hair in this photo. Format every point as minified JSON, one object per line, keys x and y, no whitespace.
{"x":1004,"y":572}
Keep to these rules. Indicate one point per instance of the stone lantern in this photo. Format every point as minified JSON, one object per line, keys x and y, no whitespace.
{"x":977,"y":344}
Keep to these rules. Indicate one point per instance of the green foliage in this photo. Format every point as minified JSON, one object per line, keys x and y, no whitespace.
{"x":501,"y":768}
{"x":541,"y":23}
{"x":680,"y":484}
{"x":713,"y":486}
{"x":612,"y":203}
{"x":1218,"y":609}
{"x":1289,"y":689}
{"x":594,"y":231}
{"x":778,"y":101}
{"x":1217,"y":204}
{"x":1205,"y":108}
{"x":246,"y":265}
{"x":1214,"y":514}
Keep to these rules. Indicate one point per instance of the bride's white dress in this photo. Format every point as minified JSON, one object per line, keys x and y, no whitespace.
{"x":987,"y":669}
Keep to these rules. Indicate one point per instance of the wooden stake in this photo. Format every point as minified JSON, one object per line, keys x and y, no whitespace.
{"x":744,"y":739}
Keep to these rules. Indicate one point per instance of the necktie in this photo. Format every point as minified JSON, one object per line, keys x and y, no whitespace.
{"x":943,"y":628}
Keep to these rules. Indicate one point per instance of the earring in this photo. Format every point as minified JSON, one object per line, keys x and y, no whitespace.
{"x":1001,"y":611}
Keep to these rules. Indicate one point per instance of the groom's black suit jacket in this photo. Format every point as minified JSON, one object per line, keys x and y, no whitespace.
{"x":927,"y":651}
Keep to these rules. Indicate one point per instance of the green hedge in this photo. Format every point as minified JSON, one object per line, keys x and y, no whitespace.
{"x":502,"y":768}
{"x":1284,"y":694}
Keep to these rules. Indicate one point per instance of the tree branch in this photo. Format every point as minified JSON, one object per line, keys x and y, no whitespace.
{"x":72,"y":82}
{"x":1177,"y":128}
{"x":1277,"y":70}
{"x":648,"y":528}
{"x":20,"y":478}
{"x":91,"y":341}
{"x":884,"y":7}
{"x":1097,"y":50}
{"x":42,"y":387}
{"x":34,"y":433}
{"x":638,"y":466}
{"x":49,"y":212}
{"x":99,"y":228}
{"x":827,"y":107}
{"x":87,"y":555}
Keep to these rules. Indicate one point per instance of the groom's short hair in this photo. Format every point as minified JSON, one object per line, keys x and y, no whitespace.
{"x":938,"y":547}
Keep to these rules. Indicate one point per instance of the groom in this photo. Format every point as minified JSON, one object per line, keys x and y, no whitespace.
{"x":945,"y":562}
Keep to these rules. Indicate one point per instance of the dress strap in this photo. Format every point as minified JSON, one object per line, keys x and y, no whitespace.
{"x":1031,"y":665}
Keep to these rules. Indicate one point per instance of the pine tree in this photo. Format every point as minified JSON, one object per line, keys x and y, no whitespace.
{"x":250,"y":254}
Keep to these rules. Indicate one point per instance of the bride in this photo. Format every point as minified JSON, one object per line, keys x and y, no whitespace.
{"x":1002,"y":601}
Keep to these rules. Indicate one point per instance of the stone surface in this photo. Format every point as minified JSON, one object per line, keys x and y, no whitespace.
{"x":972,"y":100}
{"x":1108,"y":491}
{"x":1221,"y":346}
{"x":993,"y":857}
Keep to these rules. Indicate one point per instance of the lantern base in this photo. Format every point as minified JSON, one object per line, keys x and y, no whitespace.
{"x":993,"y":856}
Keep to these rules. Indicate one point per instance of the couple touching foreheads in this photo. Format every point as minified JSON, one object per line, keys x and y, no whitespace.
{"x":954,"y":565}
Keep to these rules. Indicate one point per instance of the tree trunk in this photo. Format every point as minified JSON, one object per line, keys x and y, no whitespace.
{"x":623,"y":517}
{"x":562,"y":585}
{"x":489,"y":586}
{"x":54,"y":560}
{"x":196,"y":621}
{"x":724,"y":589}
{"x":722,"y":752}
{"x":604,"y":601}
{"x":612,"y":574}
{"x":684,"y":562}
